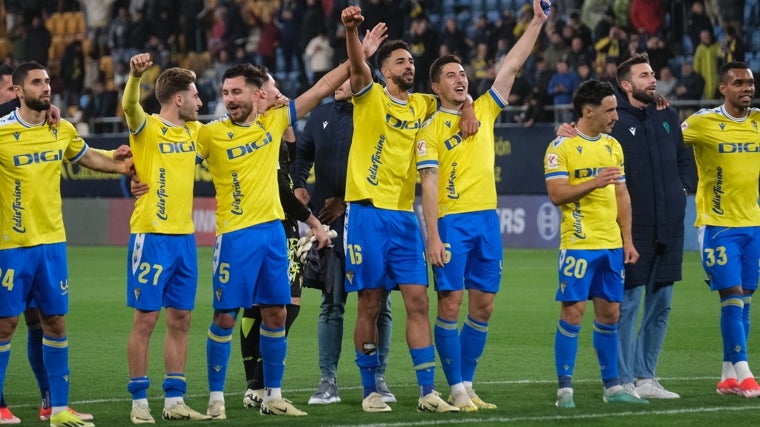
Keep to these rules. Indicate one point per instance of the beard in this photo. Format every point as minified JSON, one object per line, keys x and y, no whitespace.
{"x":643,"y":96}
{"x":401,"y":83}
{"x":241,"y":114}
{"x":38,"y":105}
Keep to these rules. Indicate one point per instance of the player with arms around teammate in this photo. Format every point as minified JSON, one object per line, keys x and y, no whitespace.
{"x":384,"y":246}
{"x":585,"y":178}
{"x":464,"y":242}
{"x":250,"y":263}
{"x":33,"y":243}
{"x":162,"y":264}
{"x":726,"y":143}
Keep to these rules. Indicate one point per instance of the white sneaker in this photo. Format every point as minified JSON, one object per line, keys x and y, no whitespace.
{"x":650,"y":388}
{"x":216,"y":410}
{"x":374,"y":403}
{"x":432,"y":402}
{"x":141,"y":415}
{"x":253,"y":398}
{"x":382,"y":388}
{"x":327,"y":393}
{"x":280,"y":406}
{"x":630,"y":388}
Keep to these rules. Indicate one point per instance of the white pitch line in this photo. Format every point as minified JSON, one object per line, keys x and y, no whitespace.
{"x":453,"y":421}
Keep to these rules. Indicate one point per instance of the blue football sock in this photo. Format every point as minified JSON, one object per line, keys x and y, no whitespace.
{"x":5,"y":356}
{"x":218,"y":347}
{"x":473,"y":341}
{"x":138,"y":387}
{"x":55,"y":356}
{"x":746,"y":317}
{"x":368,"y":364}
{"x":34,"y":354}
{"x":565,"y":348}
{"x":732,"y":328}
{"x":423,"y":360}
{"x":449,"y":350}
{"x":175,"y":384}
{"x":274,"y":348}
{"x":606,"y":345}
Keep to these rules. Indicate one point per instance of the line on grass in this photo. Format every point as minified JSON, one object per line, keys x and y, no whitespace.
{"x":451,"y":421}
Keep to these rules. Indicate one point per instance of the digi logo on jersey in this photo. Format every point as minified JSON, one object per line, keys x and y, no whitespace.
{"x":176,"y":147}
{"x":586,"y":172}
{"x":244,"y":150}
{"x":397,"y":123}
{"x":453,"y":141}
{"x":18,"y":225}
{"x":38,"y":157}
{"x":738,"y":147}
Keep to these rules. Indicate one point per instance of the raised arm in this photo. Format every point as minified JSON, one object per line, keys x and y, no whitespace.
{"x":519,"y":52}
{"x":361,"y":75}
{"x":130,"y":101}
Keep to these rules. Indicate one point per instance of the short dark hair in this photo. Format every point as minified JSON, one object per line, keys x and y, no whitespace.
{"x":437,"y":67}
{"x":591,"y":92}
{"x":6,"y":70}
{"x":624,"y":69}
{"x":386,"y":49}
{"x":19,"y":75}
{"x":172,"y":81}
{"x":256,"y":75}
{"x":733,"y":65}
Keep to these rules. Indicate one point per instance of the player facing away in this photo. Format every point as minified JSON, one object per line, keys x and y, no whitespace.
{"x":726,"y":143}
{"x":464,"y":242}
{"x":33,"y":243}
{"x":162,"y":263}
{"x":384,"y":246}
{"x":250,"y":263}
{"x":585,"y":178}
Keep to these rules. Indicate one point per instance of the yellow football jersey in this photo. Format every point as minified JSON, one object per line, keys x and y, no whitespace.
{"x":243,"y":161}
{"x":381,"y":159}
{"x":727,"y":154}
{"x":591,"y":222}
{"x":466,"y":180}
{"x":164,"y":156}
{"x":30,"y":180}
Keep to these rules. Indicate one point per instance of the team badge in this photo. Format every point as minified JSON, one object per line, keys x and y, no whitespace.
{"x":137,"y":293}
{"x":218,"y":294}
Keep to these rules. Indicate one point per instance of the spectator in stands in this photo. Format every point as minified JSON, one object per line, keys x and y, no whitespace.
{"x":732,"y":47}
{"x":593,"y":11}
{"x":648,"y":15}
{"x":453,"y":38}
{"x":98,"y":13}
{"x":659,"y":53}
{"x":604,"y":25}
{"x":216,"y":41}
{"x":579,"y":54}
{"x":534,"y":111}
{"x":422,"y":46}
{"x":37,"y":42}
{"x":290,"y":18}
{"x":481,"y":68}
{"x":612,"y":48}
{"x":690,"y":88}
{"x":585,"y":72}
{"x":561,"y":88}
{"x":557,"y":49}
{"x":482,"y":30}
{"x":706,"y":57}
{"x":313,"y":21}
{"x":319,"y":55}
{"x":698,"y":21}
{"x":666,"y":83}
{"x":72,"y":73}
{"x":579,"y":28}
{"x":191,"y":26}
{"x":268,"y":42}
{"x":539,"y":80}
{"x":119,"y":36}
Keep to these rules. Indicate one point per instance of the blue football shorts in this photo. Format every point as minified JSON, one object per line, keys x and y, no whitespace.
{"x":730,"y":256}
{"x":251,"y":267}
{"x":474,"y":252}
{"x":162,"y":271}
{"x":36,"y":273}
{"x":383,"y":248}
{"x":587,"y":274}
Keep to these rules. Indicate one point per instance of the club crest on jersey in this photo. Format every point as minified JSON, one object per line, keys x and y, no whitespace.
{"x":609,"y":149}
{"x":754,"y":125}
{"x":666,"y":125}
{"x":55,"y":133}
{"x":137,"y":293}
{"x":218,"y":294}
{"x":632,"y":130}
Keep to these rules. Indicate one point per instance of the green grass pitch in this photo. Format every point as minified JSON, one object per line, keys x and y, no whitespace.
{"x":516,"y":372}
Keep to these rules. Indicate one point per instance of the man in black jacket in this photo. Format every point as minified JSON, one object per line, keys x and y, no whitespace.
{"x":659,"y":172}
{"x":658,"y":168}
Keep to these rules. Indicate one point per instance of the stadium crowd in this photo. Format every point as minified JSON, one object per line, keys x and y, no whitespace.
{"x":87,"y":44}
